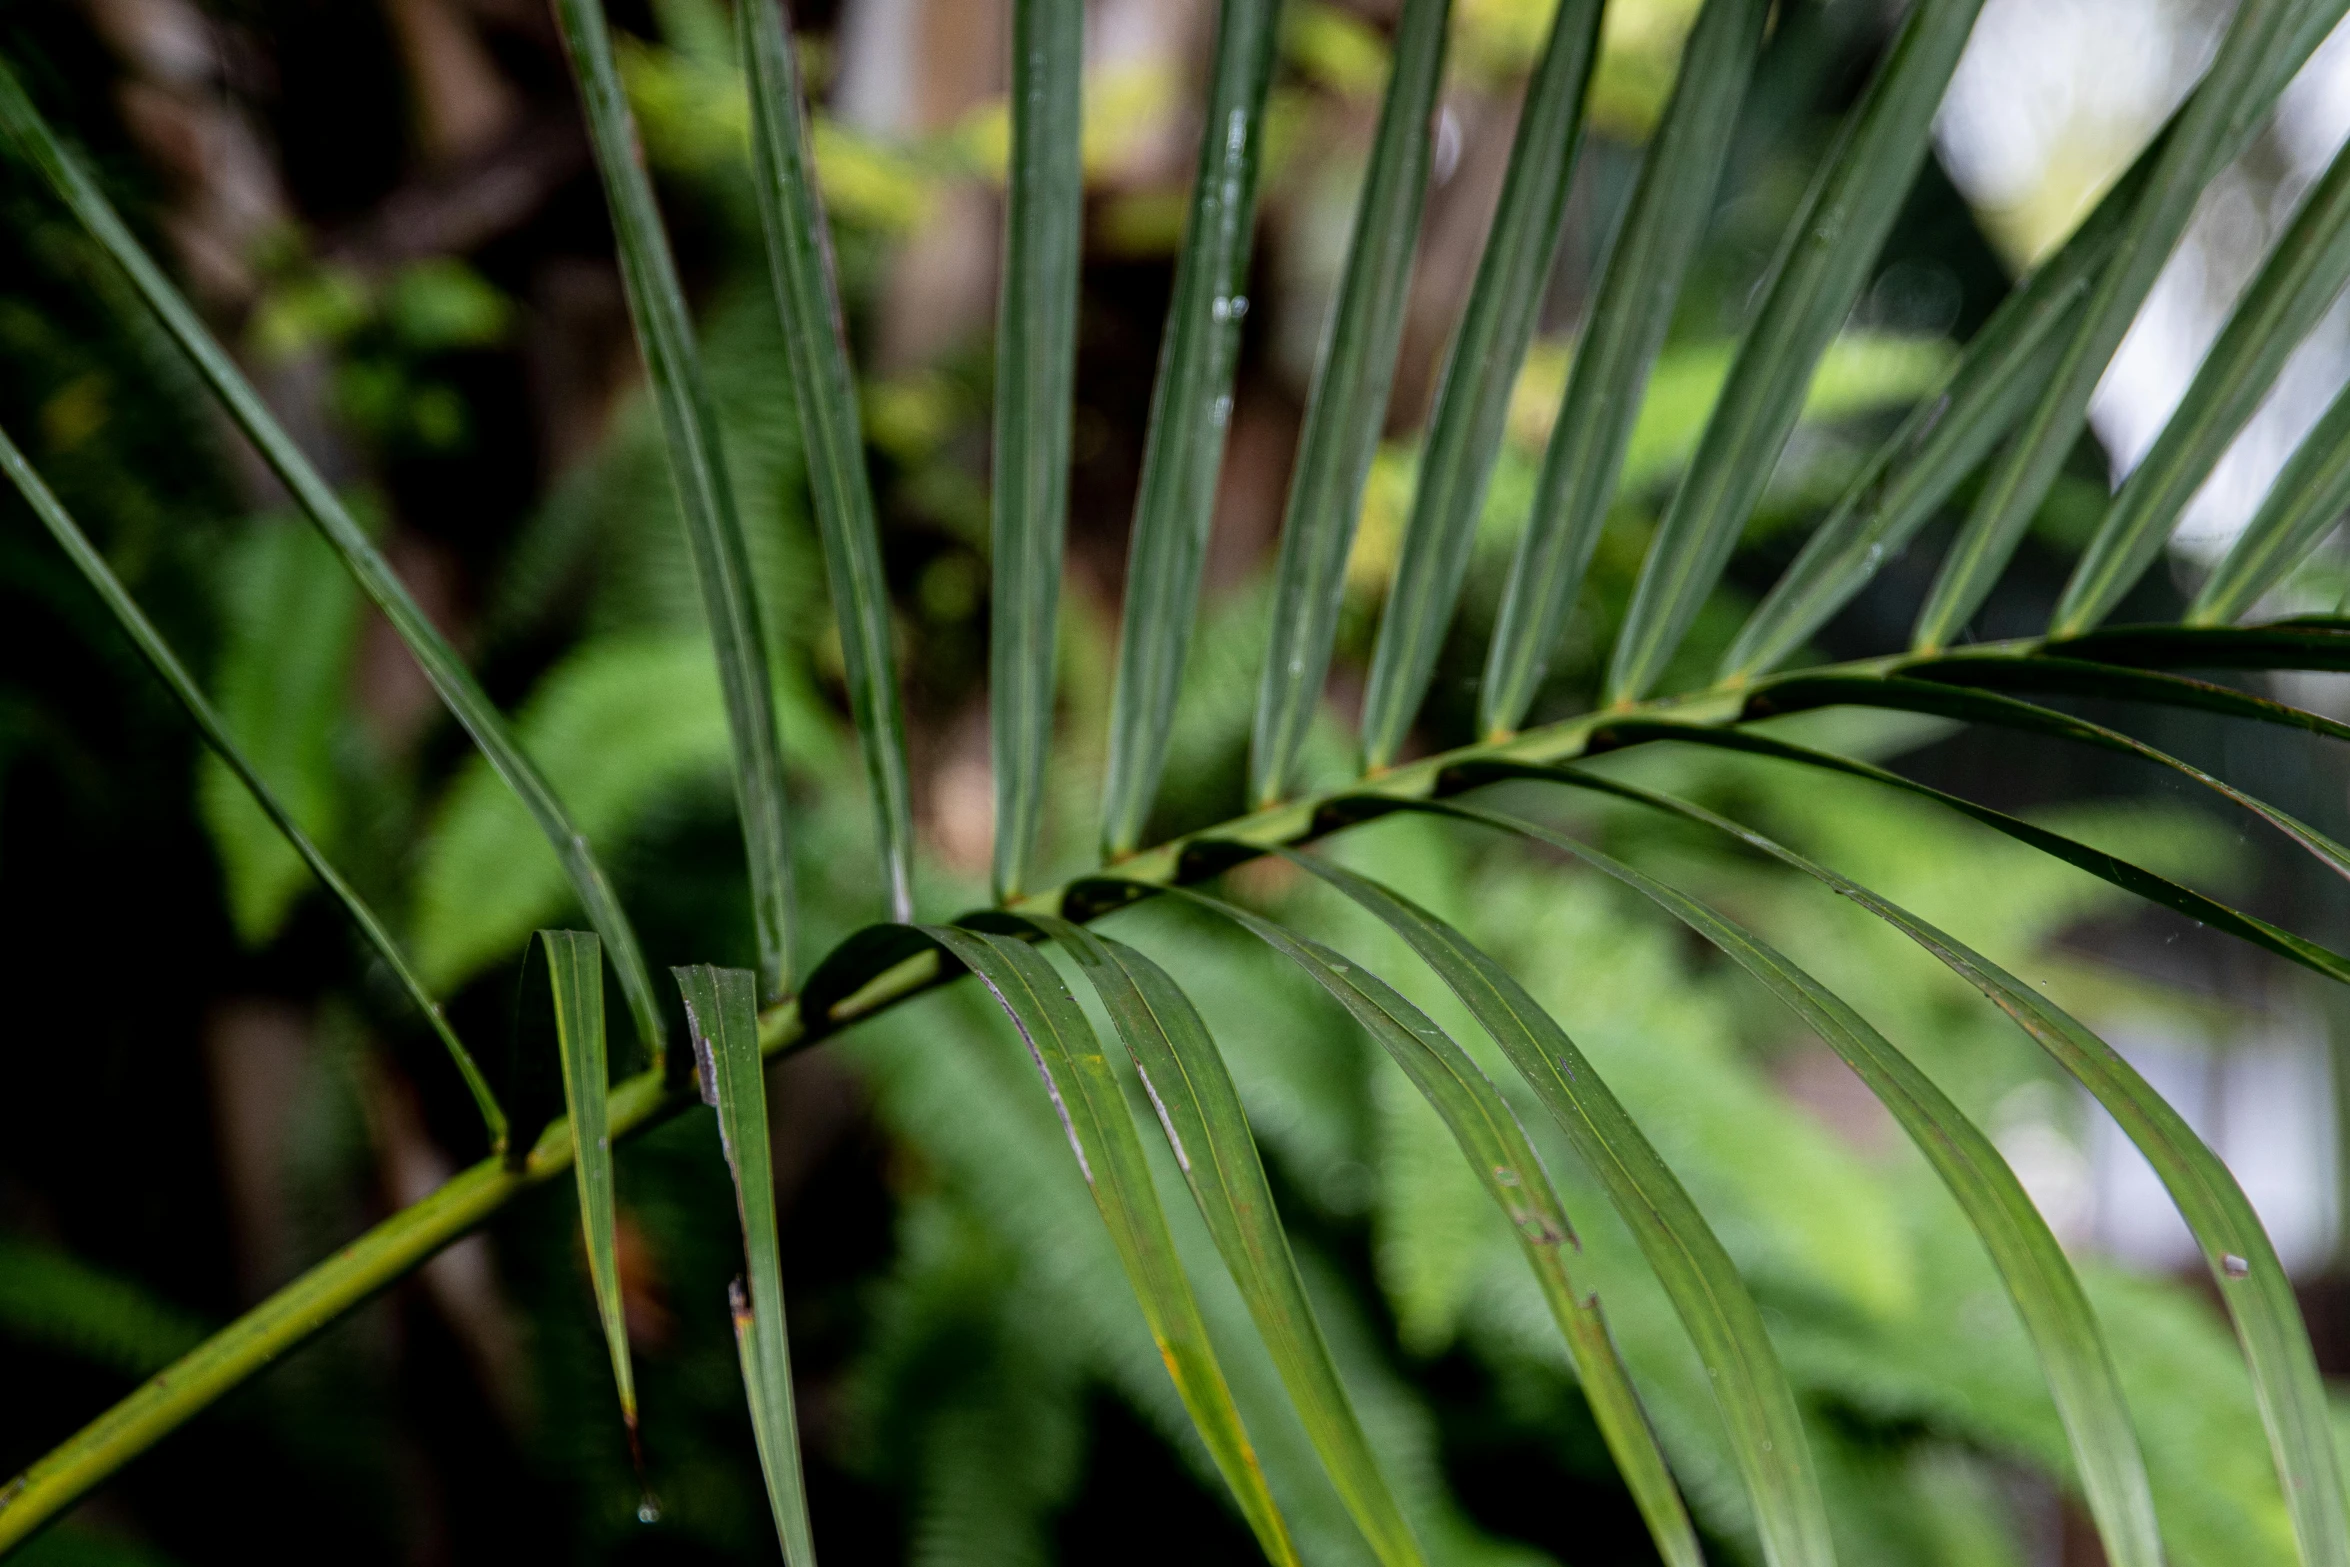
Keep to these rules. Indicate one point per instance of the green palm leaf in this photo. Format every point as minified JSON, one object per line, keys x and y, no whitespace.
{"x":2296,"y":286}
{"x":2106,"y":867}
{"x":1101,"y":1134}
{"x":2041,"y":1283}
{"x":574,"y":964}
{"x":2244,"y":1266}
{"x":1512,"y":1174}
{"x":1200,"y":1111}
{"x":1986,"y":707}
{"x":697,"y":470}
{"x":2231,"y":99}
{"x":159,"y":656}
{"x":2081,"y":677}
{"x":2307,"y":501}
{"x":1480,"y":370}
{"x":722,"y":1015}
{"x":1036,"y":373}
{"x":1191,"y":405}
{"x":2317,"y":642}
{"x":1347,"y":406}
{"x":2006,"y":366}
{"x":1721,"y":1317}
{"x":458,"y":689}
{"x":1630,"y":316}
{"x":799,"y":262}
{"x":1823,"y":264}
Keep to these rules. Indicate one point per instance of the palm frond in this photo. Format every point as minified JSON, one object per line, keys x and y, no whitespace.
{"x":2235,"y":1247}
{"x":574,"y":965}
{"x":1036,"y":373}
{"x":722,"y":1012}
{"x":698,"y":471}
{"x":1093,"y":1112}
{"x":1347,"y":406}
{"x":1512,"y":1174}
{"x":1633,"y":310}
{"x":1207,"y":1129}
{"x":1824,"y":262}
{"x":2024,"y":380}
{"x":2308,"y":500}
{"x":1191,"y":408}
{"x":2229,"y":101}
{"x":2041,"y":1283}
{"x":2006,"y":365}
{"x":1480,"y":370}
{"x":799,"y":261}
{"x":2302,"y":277}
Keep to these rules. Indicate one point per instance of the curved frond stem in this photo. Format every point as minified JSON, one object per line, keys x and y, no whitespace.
{"x":881,"y":967}
{"x":2134,"y":879}
{"x":1798,"y":693}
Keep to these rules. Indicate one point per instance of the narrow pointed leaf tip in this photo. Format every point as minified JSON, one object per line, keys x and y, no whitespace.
{"x":1829,"y":252}
{"x":698,"y":474}
{"x":458,"y":690}
{"x":1348,"y":405}
{"x":721,"y":1009}
{"x":168,"y":668}
{"x":575,"y":980}
{"x":1191,"y":407}
{"x":1200,"y":1112}
{"x":799,"y":262}
{"x":1640,"y":285}
{"x":1094,"y":1115}
{"x":1036,"y":376}
{"x":1480,"y":372}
